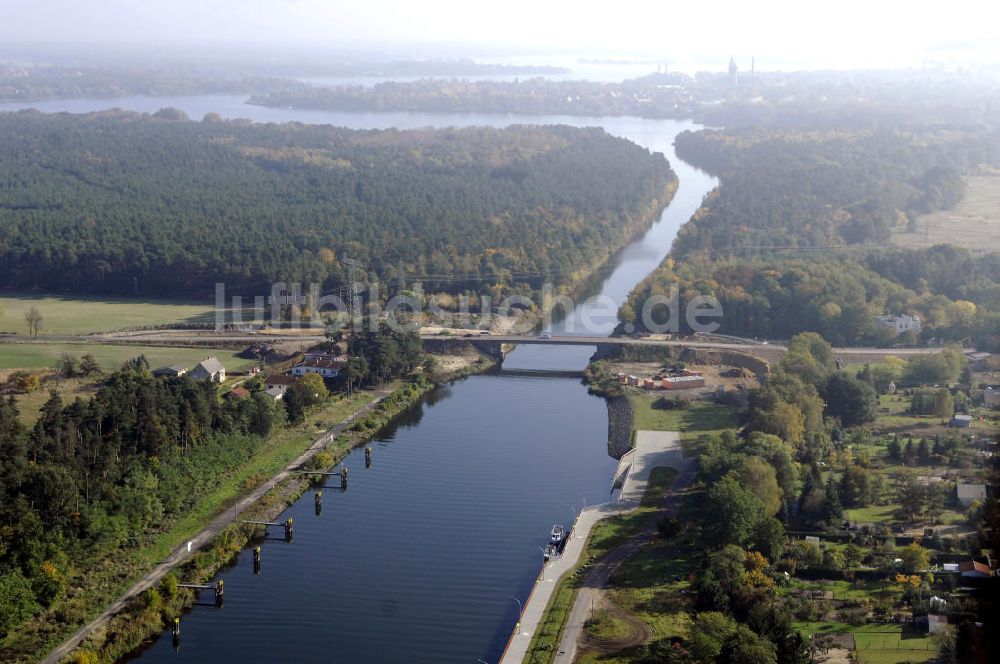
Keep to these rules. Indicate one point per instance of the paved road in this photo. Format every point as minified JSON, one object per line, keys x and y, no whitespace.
{"x":582,"y":340}
{"x":652,"y":451}
{"x":179,"y":555}
{"x":209,"y":337}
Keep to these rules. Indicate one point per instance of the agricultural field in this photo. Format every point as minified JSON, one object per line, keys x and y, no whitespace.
{"x":973,"y":224}
{"x":83,"y":315}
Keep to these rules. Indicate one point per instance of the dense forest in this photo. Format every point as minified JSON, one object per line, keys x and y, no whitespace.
{"x":125,"y":202}
{"x":95,"y":476}
{"x":838,"y":294}
{"x":819,"y":189}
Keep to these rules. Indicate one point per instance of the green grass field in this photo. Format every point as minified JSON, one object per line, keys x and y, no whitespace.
{"x":974,"y":223}
{"x":846,"y":590}
{"x":82,"y":315}
{"x":872,"y":513}
{"x":880,"y":643}
{"x":110,"y":357}
{"x":701,"y":418}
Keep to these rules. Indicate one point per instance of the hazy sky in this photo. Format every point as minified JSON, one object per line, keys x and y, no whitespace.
{"x":840,"y":32}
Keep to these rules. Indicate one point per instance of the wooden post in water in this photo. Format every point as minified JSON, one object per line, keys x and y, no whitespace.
{"x":343,"y":478}
{"x":368,"y":456}
{"x":219,"y":594}
{"x":288,"y":529}
{"x":256,"y":560}
{"x":177,"y":630}
{"x":318,"y":500}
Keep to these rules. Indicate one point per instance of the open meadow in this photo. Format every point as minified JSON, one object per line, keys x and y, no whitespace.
{"x":973,"y":224}
{"x":35,"y":356}
{"x":78,"y":314}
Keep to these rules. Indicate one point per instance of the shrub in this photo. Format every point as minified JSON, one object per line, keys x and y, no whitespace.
{"x":670,"y":403}
{"x":153,"y":599}
{"x":17,"y":600}
{"x":169,"y":586}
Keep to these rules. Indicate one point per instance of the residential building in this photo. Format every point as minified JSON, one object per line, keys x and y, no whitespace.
{"x":973,"y":569}
{"x":899,"y":323}
{"x":277,"y":392}
{"x":209,"y":369}
{"x":238,"y":392}
{"x":279,"y":380}
{"x":173,"y":371}
{"x":978,"y":360}
{"x":966,"y":493}
{"x":960,"y":421}
{"x":326,"y":366}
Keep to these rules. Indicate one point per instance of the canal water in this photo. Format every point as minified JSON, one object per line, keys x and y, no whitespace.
{"x":426,"y":556}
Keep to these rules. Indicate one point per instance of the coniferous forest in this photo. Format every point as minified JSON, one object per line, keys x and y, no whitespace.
{"x":119,"y":202}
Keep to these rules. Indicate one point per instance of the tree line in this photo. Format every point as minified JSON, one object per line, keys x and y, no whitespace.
{"x":837,"y":294}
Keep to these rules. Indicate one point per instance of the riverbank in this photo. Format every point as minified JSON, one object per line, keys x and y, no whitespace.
{"x":150,"y":604}
{"x":546,"y":612}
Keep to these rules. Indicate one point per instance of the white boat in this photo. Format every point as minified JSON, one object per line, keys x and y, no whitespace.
{"x":558,"y":534}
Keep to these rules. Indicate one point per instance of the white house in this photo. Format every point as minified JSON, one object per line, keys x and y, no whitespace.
{"x":967,"y":493}
{"x":277,"y":392}
{"x":326,"y":366}
{"x":209,"y":369}
{"x":899,"y":323}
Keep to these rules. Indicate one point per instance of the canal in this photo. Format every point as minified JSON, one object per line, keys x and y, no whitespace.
{"x":420,"y":559}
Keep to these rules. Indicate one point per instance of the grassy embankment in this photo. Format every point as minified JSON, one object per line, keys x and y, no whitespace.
{"x":647,"y":585}
{"x":605,"y":536}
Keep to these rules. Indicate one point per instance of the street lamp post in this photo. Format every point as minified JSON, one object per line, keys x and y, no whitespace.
{"x":520,"y":610}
